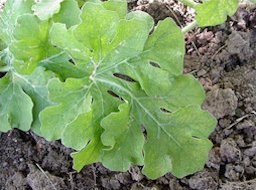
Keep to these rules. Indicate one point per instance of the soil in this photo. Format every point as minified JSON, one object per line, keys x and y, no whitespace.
{"x":223,"y":59}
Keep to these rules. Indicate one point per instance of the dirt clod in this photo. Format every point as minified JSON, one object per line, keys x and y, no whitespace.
{"x":41,"y":180}
{"x":221,"y":102}
{"x":203,"y":181}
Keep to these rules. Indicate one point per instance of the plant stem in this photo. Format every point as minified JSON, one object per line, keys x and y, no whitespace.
{"x":189,"y":27}
{"x":189,"y":3}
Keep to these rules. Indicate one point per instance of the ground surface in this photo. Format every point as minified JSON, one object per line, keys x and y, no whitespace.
{"x":223,"y":59}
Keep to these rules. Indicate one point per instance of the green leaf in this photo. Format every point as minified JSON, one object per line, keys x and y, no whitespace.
{"x":31,"y":43}
{"x":11,"y":11}
{"x":69,"y":13}
{"x":81,"y":128}
{"x":186,"y":136}
{"x":45,"y":9}
{"x":30,"y":91}
{"x":157,"y":48}
{"x":89,"y":155}
{"x":214,"y":12}
{"x":65,"y":39}
{"x":143,"y":16}
{"x":15,"y":106}
{"x":86,"y":33}
{"x":123,"y":139}
{"x":92,"y":152}
{"x":133,"y":105}
{"x":62,"y":11}
{"x":119,"y":6}
{"x":62,"y":65}
{"x":73,"y":95}
{"x":35,"y":86}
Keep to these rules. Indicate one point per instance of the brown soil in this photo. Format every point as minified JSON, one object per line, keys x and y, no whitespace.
{"x":223,"y":59}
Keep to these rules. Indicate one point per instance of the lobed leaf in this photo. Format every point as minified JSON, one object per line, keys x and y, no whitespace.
{"x":15,"y":106}
{"x":132,"y":80}
{"x":35,"y":86}
{"x":73,"y":94}
{"x":186,"y":136}
{"x":22,"y":98}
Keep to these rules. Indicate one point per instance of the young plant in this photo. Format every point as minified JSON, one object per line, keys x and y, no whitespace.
{"x":107,"y":83}
{"x":211,"y":12}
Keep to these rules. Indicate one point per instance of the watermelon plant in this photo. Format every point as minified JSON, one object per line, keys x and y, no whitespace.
{"x":106,"y":82}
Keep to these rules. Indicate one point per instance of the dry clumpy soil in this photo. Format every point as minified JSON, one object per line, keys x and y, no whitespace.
{"x":223,"y":59}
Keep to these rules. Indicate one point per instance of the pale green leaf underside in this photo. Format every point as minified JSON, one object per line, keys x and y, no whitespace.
{"x":15,"y":106}
{"x":22,"y":98}
{"x":35,"y":86}
{"x":214,"y":12}
{"x":132,"y":81}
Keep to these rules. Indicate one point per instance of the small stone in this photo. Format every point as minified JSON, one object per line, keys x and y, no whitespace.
{"x":201,"y":72}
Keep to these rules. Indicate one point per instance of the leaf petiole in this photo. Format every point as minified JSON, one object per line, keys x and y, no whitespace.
{"x":189,"y":27}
